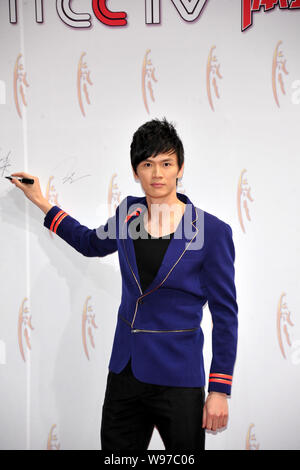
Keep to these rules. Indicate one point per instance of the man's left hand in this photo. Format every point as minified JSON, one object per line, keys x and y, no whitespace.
{"x":215,"y":411}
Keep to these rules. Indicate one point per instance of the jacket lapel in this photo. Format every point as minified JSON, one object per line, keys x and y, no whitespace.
{"x":185,"y":233}
{"x":129,"y":246}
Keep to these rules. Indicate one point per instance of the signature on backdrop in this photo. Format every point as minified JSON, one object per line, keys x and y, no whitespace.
{"x":69,"y":171}
{"x":4,"y":162}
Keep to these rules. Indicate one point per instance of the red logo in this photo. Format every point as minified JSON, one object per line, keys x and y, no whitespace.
{"x":279,"y":70}
{"x":20,"y":84}
{"x":88,"y":324}
{"x":24,"y":327}
{"x":212,"y":75}
{"x":83,"y":81}
{"x":250,"y":6}
{"x":148,"y":78}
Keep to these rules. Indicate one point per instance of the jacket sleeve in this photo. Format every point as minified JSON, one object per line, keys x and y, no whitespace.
{"x":221,"y":295}
{"x":89,"y":242}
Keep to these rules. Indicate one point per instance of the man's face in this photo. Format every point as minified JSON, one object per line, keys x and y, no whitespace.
{"x":158,"y":174}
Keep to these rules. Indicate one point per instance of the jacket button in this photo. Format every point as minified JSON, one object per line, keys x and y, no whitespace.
{"x":140,"y":301}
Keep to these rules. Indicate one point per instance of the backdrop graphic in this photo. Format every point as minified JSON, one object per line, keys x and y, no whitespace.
{"x":77,"y":78}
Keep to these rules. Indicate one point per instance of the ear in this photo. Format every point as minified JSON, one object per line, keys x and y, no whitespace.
{"x":180,"y":173}
{"x":135,"y":175}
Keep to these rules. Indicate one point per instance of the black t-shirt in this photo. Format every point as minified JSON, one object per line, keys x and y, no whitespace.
{"x":149,"y":253}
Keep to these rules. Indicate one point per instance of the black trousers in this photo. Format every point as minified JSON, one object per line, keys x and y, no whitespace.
{"x":132,"y":409}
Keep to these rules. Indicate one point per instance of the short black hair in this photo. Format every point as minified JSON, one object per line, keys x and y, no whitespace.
{"x":154,"y":137}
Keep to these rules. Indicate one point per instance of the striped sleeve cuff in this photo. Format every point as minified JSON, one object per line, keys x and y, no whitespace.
{"x":220,"y":383}
{"x":54,"y":217}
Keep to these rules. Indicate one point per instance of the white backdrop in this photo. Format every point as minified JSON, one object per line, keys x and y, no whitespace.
{"x":71,"y":99}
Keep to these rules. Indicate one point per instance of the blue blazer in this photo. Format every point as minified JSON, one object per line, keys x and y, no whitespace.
{"x":160,"y":328}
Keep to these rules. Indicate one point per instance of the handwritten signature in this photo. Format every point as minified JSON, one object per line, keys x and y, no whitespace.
{"x":4,"y":163}
{"x":70,"y":178}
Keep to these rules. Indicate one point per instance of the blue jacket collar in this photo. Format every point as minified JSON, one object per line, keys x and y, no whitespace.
{"x":185,"y":233}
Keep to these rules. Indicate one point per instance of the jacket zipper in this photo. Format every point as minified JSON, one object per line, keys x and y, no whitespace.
{"x":130,"y":264}
{"x":162,"y":331}
{"x":144,"y":295}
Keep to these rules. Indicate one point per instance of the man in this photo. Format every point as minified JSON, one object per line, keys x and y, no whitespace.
{"x":174,"y":257}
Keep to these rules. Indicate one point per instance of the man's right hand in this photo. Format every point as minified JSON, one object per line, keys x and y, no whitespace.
{"x":32,"y":191}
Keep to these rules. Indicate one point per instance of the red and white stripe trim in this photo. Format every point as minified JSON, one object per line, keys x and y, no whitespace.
{"x":57,"y":220}
{"x":134,"y":213}
{"x":221,"y":378}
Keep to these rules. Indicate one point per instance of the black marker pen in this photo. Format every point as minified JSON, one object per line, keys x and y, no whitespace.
{"x":22,"y":180}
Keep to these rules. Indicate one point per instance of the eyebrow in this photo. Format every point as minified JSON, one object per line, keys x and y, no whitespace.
{"x":164,"y":160}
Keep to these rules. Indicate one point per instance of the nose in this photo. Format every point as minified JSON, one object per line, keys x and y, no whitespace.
{"x":156,"y":172}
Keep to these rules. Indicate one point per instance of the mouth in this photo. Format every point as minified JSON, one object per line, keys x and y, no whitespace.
{"x":157,"y":185}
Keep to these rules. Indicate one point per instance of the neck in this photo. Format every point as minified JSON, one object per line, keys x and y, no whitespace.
{"x":166,"y":205}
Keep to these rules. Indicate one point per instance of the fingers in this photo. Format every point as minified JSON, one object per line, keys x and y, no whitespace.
{"x":216,"y":423}
{"x":21,"y":174}
{"x":22,"y":186}
{"x":32,"y":191}
{"x":224,"y":421}
{"x":26,"y":188}
{"x":213,"y":421}
{"x":17,"y":183}
{"x":215,"y":411}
